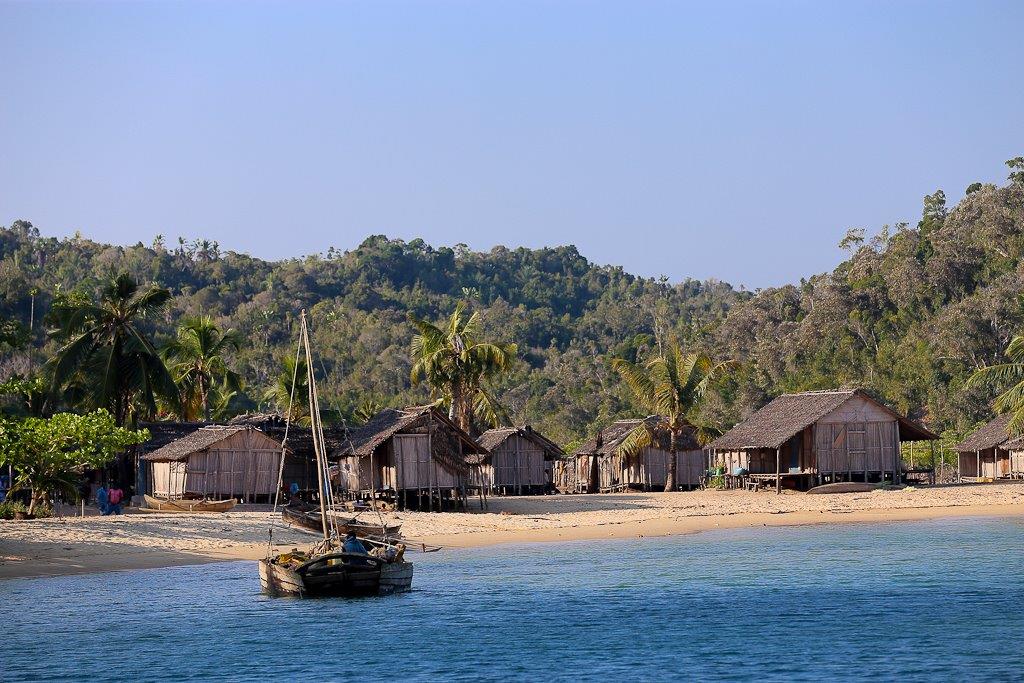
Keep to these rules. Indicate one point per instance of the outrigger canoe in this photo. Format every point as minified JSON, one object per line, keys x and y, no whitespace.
{"x":187,"y":505}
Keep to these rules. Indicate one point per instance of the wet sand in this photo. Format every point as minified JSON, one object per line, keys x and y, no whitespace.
{"x":149,"y":540}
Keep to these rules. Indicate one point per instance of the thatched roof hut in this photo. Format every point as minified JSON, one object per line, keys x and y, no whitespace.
{"x":819,"y":435}
{"x":520,"y":460}
{"x":990,"y":452}
{"x":603,"y":466}
{"x":406,"y":451}
{"x":237,"y":461}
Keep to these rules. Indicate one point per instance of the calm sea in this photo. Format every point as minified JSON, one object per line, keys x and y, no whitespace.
{"x":939,"y":600}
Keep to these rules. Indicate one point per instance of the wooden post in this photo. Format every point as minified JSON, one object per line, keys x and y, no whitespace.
{"x":977,"y":455}
{"x":778,"y":470}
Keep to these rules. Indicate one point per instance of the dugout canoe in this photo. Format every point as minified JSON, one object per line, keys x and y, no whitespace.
{"x":187,"y":505}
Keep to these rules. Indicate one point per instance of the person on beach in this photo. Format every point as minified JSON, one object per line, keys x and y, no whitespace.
{"x":115,"y":495}
{"x":102,"y":500}
{"x":3,"y":488}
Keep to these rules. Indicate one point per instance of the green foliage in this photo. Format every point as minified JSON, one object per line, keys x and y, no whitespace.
{"x":674,"y":385}
{"x":456,"y":365}
{"x":48,"y":454}
{"x":197,"y":360}
{"x":1003,"y":375}
{"x":105,"y":356}
{"x":909,"y":315}
{"x":9,"y":508}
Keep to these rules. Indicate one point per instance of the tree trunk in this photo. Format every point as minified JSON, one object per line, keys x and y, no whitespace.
{"x":33,"y":498}
{"x":670,"y":471}
{"x":204,"y":392}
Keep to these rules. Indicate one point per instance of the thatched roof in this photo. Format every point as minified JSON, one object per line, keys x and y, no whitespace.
{"x":989,"y":435}
{"x":493,"y":438}
{"x":608,"y":440}
{"x":196,"y":441}
{"x":300,"y":439}
{"x":163,"y":433}
{"x":789,"y":414}
{"x":390,"y":421}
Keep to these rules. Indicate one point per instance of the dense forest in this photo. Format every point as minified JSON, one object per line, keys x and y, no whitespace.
{"x":909,"y":315}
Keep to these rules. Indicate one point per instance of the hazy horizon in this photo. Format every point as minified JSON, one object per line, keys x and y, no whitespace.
{"x":737,"y":141}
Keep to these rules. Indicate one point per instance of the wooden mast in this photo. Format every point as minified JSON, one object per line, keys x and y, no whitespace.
{"x":314,"y":424}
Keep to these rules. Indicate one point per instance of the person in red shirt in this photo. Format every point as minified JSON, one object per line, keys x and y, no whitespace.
{"x":115,"y":495}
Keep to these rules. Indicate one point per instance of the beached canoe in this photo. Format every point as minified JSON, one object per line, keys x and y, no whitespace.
{"x":334,"y":574}
{"x":308,"y":517}
{"x":845,"y":487}
{"x":187,"y":505}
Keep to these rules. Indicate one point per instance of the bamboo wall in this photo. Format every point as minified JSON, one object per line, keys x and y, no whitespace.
{"x":515,"y":464}
{"x":243,"y":465}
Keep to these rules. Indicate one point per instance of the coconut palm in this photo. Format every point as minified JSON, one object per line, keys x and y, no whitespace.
{"x":452,"y":360}
{"x":279,"y":393}
{"x":106,"y":360}
{"x":674,"y":386}
{"x":1001,"y":375}
{"x":197,"y":361}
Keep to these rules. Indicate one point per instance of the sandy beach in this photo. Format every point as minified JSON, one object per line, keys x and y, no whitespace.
{"x":71,"y":545}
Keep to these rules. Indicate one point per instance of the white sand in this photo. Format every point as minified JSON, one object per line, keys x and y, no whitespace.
{"x":144,"y":540}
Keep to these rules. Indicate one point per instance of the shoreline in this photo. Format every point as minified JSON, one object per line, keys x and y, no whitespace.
{"x":40,"y":559}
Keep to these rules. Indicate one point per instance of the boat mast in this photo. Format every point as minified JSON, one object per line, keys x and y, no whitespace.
{"x":314,"y":417}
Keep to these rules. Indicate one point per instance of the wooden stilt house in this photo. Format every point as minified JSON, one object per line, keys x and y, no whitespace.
{"x":991,"y":453}
{"x":520,"y":460}
{"x":416,"y":455}
{"x":815,"y":437}
{"x":218,"y":461}
{"x":602,"y":465}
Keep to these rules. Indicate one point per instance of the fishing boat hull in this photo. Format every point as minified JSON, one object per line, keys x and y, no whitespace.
{"x":187,"y":505}
{"x":309,"y":518}
{"x":335,"y":576}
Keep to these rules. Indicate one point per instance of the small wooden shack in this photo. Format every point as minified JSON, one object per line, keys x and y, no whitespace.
{"x":237,"y":461}
{"x":602,"y":466}
{"x":991,"y":453}
{"x":520,"y":460}
{"x":815,"y":437}
{"x":416,"y":455}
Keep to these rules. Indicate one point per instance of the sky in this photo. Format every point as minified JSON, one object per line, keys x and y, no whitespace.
{"x":728,"y":140}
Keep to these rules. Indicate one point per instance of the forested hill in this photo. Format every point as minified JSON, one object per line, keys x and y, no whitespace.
{"x":909,"y":314}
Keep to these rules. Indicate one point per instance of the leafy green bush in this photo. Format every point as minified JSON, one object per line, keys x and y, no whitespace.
{"x":9,"y":507}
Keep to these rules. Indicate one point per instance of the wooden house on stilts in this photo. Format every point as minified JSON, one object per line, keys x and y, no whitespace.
{"x":817,"y":437}
{"x":991,"y":453}
{"x":417,"y":456}
{"x":519,"y":461}
{"x":602,"y":465}
{"x":220,"y":461}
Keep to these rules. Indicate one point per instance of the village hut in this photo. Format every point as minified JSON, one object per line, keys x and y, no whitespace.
{"x":815,"y":437}
{"x":602,"y":466}
{"x":416,"y":455}
{"x":520,"y":460}
{"x":991,"y":453}
{"x":300,"y":462}
{"x":216,"y":460}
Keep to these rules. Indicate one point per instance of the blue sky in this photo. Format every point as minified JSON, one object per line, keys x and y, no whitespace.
{"x":736,"y":140}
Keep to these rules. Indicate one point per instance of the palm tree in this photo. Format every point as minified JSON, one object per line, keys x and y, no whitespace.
{"x":279,"y":393}
{"x":674,"y":386}
{"x":105,"y":358}
{"x":1002,"y":374}
{"x":366,"y":409}
{"x":196,"y":359}
{"x":455,"y":363}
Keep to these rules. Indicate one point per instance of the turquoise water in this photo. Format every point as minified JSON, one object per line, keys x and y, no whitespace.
{"x":938,"y":600}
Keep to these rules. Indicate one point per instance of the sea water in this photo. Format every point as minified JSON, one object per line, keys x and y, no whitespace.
{"x":935,"y":600}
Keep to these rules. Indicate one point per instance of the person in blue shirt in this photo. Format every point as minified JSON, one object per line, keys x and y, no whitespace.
{"x":353,"y":545}
{"x":102,"y":500}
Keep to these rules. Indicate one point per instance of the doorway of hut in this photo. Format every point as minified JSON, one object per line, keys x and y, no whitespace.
{"x":794,"y":454}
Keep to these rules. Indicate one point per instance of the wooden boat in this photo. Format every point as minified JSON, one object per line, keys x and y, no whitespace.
{"x":336,"y":574}
{"x":845,"y":487}
{"x":326,"y":570}
{"x":308,"y":517}
{"x":187,"y":505}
